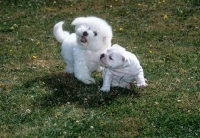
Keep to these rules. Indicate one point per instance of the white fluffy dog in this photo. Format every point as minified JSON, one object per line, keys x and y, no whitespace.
{"x":122,"y":67}
{"x":81,"y":50}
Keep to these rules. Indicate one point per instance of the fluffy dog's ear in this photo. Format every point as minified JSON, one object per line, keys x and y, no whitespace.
{"x":126,"y":61}
{"x":79,"y":21}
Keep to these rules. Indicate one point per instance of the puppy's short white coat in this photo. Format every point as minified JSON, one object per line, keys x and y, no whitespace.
{"x":81,"y":49}
{"x":121,"y":68}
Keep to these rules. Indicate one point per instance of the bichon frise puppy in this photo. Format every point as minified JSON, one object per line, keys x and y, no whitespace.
{"x":121,"y":68}
{"x":81,"y":50}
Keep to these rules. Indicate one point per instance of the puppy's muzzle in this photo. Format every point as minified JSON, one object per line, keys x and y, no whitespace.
{"x":102,"y":55}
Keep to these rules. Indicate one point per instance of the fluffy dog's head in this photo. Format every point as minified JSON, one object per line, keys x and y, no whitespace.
{"x":114,"y":58}
{"x":92,"y":33}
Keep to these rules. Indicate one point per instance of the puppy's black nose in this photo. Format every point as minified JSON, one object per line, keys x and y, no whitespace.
{"x":85,"y":33}
{"x":102,"y":55}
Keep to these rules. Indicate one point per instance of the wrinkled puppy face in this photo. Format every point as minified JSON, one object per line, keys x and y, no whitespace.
{"x":86,"y":36}
{"x":113,"y":59}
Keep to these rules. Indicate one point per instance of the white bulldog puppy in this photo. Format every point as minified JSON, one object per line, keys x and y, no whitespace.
{"x":121,"y":69}
{"x":81,"y":49}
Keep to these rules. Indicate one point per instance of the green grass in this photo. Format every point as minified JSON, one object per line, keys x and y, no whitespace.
{"x":38,"y":100}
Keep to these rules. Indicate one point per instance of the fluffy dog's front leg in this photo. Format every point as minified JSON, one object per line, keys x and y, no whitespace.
{"x":69,"y":67}
{"x":82,"y":72}
{"x":140,"y":79}
{"x":107,"y":78}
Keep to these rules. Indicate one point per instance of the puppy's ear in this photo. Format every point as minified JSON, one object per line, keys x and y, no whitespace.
{"x":116,"y":46}
{"x":79,"y":21}
{"x":126,"y":61}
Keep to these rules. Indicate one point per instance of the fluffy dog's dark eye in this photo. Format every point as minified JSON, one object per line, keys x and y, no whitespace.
{"x":95,"y":33}
{"x":110,"y":58}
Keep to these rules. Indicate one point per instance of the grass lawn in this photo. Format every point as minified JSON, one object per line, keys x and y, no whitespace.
{"x":37,"y":99}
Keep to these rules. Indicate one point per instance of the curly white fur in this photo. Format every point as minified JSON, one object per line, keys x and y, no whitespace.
{"x":81,"y":50}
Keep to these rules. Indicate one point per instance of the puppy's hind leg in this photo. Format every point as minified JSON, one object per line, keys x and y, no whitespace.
{"x":140,"y":79}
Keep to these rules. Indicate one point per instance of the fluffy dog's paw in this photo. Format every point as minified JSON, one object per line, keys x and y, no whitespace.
{"x":142,"y":86}
{"x":105,"y":89}
{"x":89,"y":81}
{"x":100,"y":69}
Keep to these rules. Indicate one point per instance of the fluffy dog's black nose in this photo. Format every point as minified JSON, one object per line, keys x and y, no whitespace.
{"x":102,"y":55}
{"x":85,"y":33}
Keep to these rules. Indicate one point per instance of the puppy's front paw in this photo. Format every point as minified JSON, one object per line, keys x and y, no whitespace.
{"x":142,"y":85}
{"x":105,"y":89}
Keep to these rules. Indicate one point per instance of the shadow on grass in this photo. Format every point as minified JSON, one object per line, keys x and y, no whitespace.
{"x":60,"y":89}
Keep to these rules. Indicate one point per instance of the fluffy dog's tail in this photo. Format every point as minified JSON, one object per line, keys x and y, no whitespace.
{"x":59,"y":33}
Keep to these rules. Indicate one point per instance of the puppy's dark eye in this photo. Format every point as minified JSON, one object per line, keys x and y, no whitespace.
{"x":110,"y":58}
{"x":95,"y":33}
